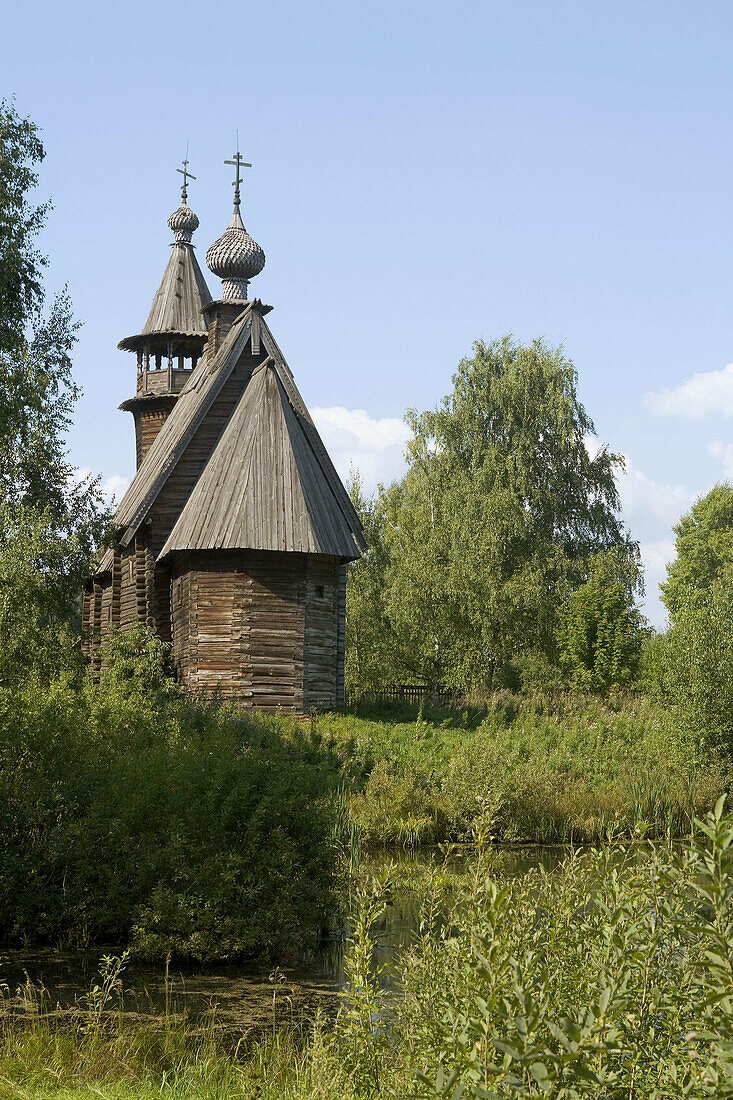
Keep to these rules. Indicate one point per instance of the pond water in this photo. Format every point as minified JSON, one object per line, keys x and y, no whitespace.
{"x":234,"y":998}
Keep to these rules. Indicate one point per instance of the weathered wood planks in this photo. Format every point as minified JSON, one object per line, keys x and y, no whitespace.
{"x":235,"y":532}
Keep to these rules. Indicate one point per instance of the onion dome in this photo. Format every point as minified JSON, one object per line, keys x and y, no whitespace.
{"x":235,"y":258}
{"x":184,"y":223}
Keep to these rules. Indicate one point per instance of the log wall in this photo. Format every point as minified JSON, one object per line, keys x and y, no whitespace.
{"x":128,"y":589}
{"x":147,"y":425}
{"x":341,"y":670}
{"x":260,"y":628}
{"x":321,"y":657}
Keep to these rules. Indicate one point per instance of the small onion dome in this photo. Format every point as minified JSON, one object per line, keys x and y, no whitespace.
{"x":183,"y":222}
{"x":235,"y":258}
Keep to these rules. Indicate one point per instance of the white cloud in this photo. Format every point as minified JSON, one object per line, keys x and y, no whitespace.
{"x":656,"y":556}
{"x":702,"y":395}
{"x":724,"y":453}
{"x":112,"y":488}
{"x":643,"y":498}
{"x":353,"y":438}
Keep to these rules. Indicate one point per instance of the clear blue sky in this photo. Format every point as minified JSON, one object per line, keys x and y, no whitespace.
{"x":424,"y":174}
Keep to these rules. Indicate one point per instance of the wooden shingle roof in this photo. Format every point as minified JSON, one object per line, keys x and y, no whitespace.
{"x":177,"y":308}
{"x":269,"y":483}
{"x":194,"y":401}
{"x":263,"y":487}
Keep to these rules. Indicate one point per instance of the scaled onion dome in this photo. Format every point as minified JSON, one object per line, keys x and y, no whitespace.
{"x":184,"y":223}
{"x":235,"y":258}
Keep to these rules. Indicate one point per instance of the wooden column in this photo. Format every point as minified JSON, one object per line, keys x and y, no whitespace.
{"x":170,"y":365}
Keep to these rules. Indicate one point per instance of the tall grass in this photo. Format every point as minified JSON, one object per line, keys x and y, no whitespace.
{"x":99,"y":1049}
{"x":545,"y":771}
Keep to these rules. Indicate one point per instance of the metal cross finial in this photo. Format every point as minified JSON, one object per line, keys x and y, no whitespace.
{"x":239,"y":164}
{"x":186,"y":177}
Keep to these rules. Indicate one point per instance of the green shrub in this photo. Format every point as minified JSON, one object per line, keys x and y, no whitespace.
{"x":398,"y":808}
{"x":699,"y":664}
{"x":654,"y":668}
{"x":535,"y":674}
{"x":608,"y":977}
{"x":601,"y":629}
{"x":129,"y":814}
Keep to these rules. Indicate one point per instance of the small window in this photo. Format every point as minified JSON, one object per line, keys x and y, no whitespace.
{"x":319,"y":591}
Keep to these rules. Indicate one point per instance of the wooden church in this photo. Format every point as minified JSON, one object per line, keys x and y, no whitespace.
{"x":233,"y":539}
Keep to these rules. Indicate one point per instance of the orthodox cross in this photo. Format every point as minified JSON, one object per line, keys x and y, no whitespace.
{"x":186,"y":177}
{"x":240,"y":164}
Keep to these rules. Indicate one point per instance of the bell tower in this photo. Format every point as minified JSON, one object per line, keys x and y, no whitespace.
{"x":173,"y":337}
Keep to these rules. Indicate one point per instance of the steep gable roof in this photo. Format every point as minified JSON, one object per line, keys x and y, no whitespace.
{"x":328,"y":515}
{"x":194,"y":401}
{"x":284,"y":373}
{"x":263,"y":487}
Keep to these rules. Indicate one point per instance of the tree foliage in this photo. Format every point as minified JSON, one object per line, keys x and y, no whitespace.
{"x":499,"y":516}
{"x":699,"y":663}
{"x":704,"y":548}
{"x":691,"y":666}
{"x":21,"y":286}
{"x":601,"y":629}
{"x":368,"y":645}
{"x":50,"y":522}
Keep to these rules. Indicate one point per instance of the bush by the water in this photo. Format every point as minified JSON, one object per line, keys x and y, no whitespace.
{"x":610,"y":976}
{"x":128,"y":814}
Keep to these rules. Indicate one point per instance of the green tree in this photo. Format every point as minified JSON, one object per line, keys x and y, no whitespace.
{"x":50,"y":522}
{"x":704,"y":547}
{"x":699,"y":662}
{"x":418,"y":539}
{"x":21,"y":286}
{"x":601,"y":629}
{"x":498,"y":517}
{"x":369,"y":651}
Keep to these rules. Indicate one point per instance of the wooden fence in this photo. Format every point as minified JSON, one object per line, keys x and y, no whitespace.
{"x":414,"y":694}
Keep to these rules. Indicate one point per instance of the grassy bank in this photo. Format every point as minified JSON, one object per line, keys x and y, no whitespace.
{"x":572,"y":769}
{"x":134,"y":816}
{"x":609,"y":976}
